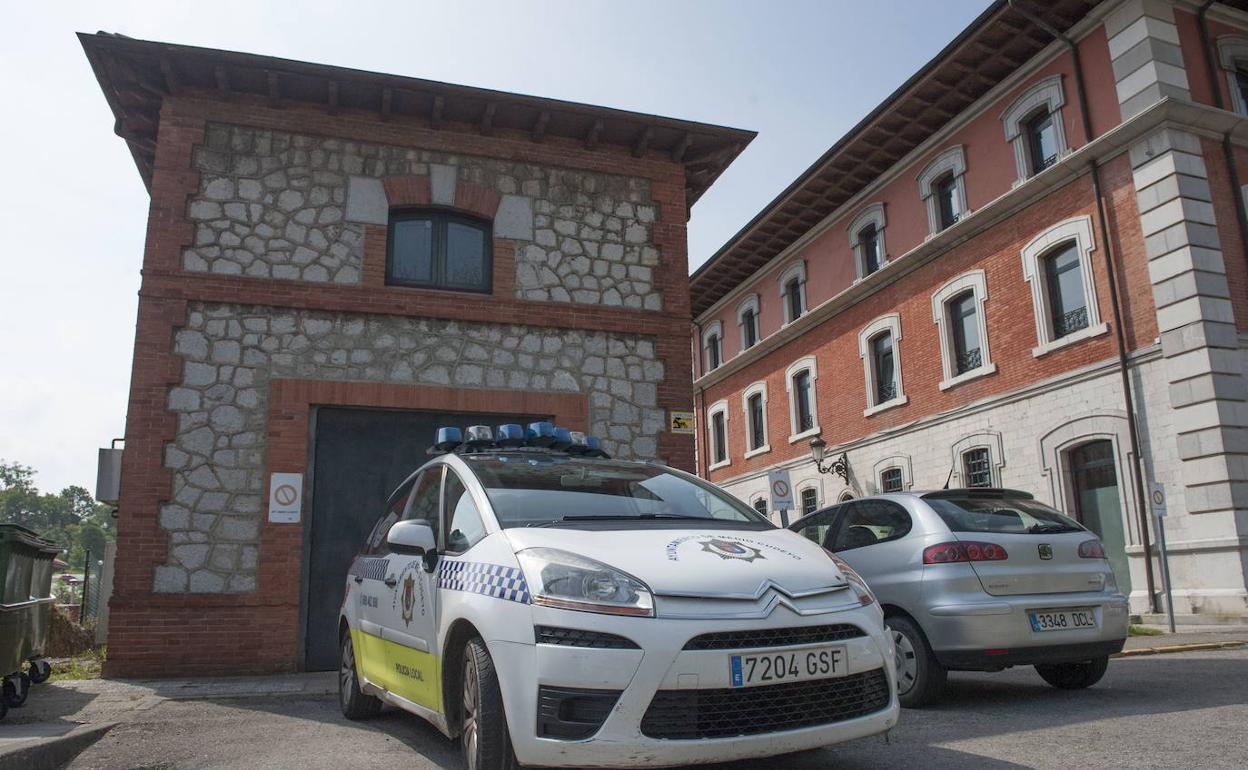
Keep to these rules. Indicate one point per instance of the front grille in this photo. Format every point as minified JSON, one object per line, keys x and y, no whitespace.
{"x":572,"y":714}
{"x":575,"y":637}
{"x":687,"y":714}
{"x":774,"y":637}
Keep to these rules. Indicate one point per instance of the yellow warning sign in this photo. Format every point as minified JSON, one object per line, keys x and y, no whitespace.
{"x":681,"y":422}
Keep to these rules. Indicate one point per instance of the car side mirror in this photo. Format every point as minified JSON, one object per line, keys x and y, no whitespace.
{"x":412,"y":537}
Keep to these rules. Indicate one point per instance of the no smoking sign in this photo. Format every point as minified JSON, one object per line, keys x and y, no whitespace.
{"x":285,"y":497}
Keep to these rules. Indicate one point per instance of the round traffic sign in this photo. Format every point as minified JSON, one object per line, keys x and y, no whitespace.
{"x":285,"y":494}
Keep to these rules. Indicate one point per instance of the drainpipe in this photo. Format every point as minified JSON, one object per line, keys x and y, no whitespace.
{"x":1106,"y":249}
{"x":699,"y":403}
{"x":1228,"y":152}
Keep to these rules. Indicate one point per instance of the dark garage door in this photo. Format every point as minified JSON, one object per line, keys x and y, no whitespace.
{"x":361,"y":455}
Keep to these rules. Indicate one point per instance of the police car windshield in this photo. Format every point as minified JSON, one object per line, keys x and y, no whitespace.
{"x":528,"y":490}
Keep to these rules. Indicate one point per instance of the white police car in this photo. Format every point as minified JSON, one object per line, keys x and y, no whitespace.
{"x":551,"y":606}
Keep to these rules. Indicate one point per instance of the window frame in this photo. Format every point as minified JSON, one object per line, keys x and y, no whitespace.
{"x":963,"y":458}
{"x":901,"y":480}
{"x":749,"y":304}
{"x":1028,"y":127}
{"x":718,"y":408}
{"x":1232,"y":55}
{"x":713,"y":331}
{"x":760,"y":499}
{"x":949,"y":161}
{"x":800,"y":501}
{"x":890,"y":324}
{"x":796,"y":270}
{"x":809,"y":365}
{"x":974,"y":281}
{"x":448,"y":514}
{"x":848,"y":510}
{"x":989,"y":440}
{"x":1078,"y":230}
{"x":755,"y":389}
{"x":441,"y":219}
{"x":1048,"y":94}
{"x":872,"y":215}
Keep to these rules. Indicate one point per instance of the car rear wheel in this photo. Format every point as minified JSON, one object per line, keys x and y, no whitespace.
{"x":920,"y":677}
{"x":484,"y":738}
{"x":355,"y":704}
{"x":40,"y":670}
{"x":1074,"y":676}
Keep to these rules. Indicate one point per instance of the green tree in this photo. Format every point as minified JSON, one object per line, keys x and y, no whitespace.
{"x":71,"y":519}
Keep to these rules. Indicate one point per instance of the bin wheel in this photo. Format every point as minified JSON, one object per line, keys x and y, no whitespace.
{"x":15,"y":693}
{"x":40,"y":670}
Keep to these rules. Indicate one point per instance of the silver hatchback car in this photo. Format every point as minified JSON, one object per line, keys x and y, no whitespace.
{"x":979,"y":580}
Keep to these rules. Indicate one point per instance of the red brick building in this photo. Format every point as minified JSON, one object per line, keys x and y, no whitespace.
{"x":336,"y":262}
{"x":1025,"y":268}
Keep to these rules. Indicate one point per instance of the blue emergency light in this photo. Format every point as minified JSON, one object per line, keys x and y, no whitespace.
{"x":537,"y":437}
{"x":541,"y":434}
{"x":563,"y":439}
{"x":510,"y":435}
{"x":479,"y":436}
{"x":448,"y":439}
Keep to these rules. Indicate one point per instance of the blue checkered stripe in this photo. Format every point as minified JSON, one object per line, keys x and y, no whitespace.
{"x":494,"y":580}
{"x":369,"y":569}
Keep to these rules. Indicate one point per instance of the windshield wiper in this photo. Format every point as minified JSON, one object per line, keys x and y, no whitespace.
{"x":1044,"y":529}
{"x":619,"y":517}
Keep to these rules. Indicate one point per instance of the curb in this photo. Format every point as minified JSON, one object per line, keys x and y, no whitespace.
{"x":52,"y":753}
{"x":1227,"y":645}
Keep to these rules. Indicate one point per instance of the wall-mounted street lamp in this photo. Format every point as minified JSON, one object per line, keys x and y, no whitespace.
{"x":839,"y":466}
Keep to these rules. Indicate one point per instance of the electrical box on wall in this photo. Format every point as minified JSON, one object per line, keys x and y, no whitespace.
{"x":108,"y":476}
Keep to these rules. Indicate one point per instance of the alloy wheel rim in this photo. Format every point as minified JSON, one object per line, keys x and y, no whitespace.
{"x":346,"y":672}
{"x":470,"y":711}
{"x":907,"y":661}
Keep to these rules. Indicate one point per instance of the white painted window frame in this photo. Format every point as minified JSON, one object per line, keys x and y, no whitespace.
{"x":719,"y":407}
{"x":754,"y":498}
{"x":951,"y":160}
{"x":798,"y":270}
{"x":807,"y":362}
{"x":976,"y":281}
{"x":1231,"y":50}
{"x":871,"y":215}
{"x":750,"y":303}
{"x":1046,"y":93}
{"x":986,"y":440}
{"x":1079,"y":230}
{"x":716,"y":330}
{"x":891,"y":324}
{"x":757,"y":388}
{"x":902,"y":463}
{"x":802,"y":486}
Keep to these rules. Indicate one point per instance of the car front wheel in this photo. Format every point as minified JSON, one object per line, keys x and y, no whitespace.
{"x":355,"y":704}
{"x":484,"y":738}
{"x":920,"y":677}
{"x":1074,"y":676}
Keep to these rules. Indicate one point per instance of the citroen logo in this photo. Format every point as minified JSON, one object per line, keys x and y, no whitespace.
{"x":1046,"y":551}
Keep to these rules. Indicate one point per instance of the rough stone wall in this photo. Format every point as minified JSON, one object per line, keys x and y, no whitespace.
{"x":272,"y":204}
{"x":230,"y":353}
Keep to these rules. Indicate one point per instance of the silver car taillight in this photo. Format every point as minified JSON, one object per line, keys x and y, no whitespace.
{"x":1091,"y":549}
{"x":962,"y":551}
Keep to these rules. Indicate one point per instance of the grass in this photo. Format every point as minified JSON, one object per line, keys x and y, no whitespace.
{"x":1144,"y":631}
{"x":85,"y":666}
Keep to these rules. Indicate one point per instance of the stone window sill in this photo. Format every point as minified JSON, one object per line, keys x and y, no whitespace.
{"x":1070,"y":339}
{"x":901,"y":400}
{"x":717,"y":466}
{"x":796,"y":437}
{"x":764,"y":449}
{"x":973,"y":374}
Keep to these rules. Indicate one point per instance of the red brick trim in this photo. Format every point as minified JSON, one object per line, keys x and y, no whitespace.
{"x":407,"y":190}
{"x":477,"y":199}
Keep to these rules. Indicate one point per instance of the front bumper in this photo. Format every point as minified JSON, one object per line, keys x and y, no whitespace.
{"x":660,"y":664}
{"x":994,"y":632}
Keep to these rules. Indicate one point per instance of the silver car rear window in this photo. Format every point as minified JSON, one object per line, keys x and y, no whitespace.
{"x":1021,"y":517}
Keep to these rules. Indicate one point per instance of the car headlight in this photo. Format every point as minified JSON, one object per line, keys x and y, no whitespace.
{"x":570,"y":582}
{"x":865,"y":597}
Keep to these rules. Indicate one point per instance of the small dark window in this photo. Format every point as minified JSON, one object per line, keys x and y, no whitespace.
{"x":816,"y":527}
{"x":1041,"y":141}
{"x":719,"y":437}
{"x":749,"y":328}
{"x":1064,"y":282}
{"x":758,"y":433}
{"x":464,"y":525}
{"x":870,"y":522}
{"x":714,"y":352}
{"x":869,"y":242}
{"x":947,"y":200}
{"x":793,"y":297}
{"x":964,"y":328}
{"x":976,"y":468}
{"x":437,"y":250}
{"x":1241,"y":82}
{"x":760,"y":505}
{"x":890,"y":480}
{"x":425,"y":501}
{"x":885,"y":369}
{"x":801,"y":402}
{"x":810,"y":500}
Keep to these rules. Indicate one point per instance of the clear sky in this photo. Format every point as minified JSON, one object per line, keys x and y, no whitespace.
{"x":73,"y":208}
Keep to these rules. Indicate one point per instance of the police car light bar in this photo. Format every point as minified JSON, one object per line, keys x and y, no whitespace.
{"x":539,"y":436}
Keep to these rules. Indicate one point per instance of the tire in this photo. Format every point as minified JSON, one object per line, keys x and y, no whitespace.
{"x":15,"y":694}
{"x":920,"y":677}
{"x":355,"y":704}
{"x":484,"y":739}
{"x":1074,"y":676}
{"x":40,"y":670}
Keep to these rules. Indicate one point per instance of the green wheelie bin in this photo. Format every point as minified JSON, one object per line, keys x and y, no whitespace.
{"x":26,"y":603}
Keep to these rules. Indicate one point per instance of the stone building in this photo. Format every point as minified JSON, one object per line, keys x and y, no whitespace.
{"x":1026,"y":268}
{"x":336,"y":262}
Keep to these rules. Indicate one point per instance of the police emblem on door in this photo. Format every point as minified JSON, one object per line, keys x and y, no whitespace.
{"x":409,"y":598}
{"x":1046,"y":551}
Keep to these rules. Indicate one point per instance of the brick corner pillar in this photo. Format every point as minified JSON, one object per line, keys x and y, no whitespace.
{"x":1199,"y":339}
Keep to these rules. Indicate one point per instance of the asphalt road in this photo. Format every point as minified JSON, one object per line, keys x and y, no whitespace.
{"x":1182,"y":710}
